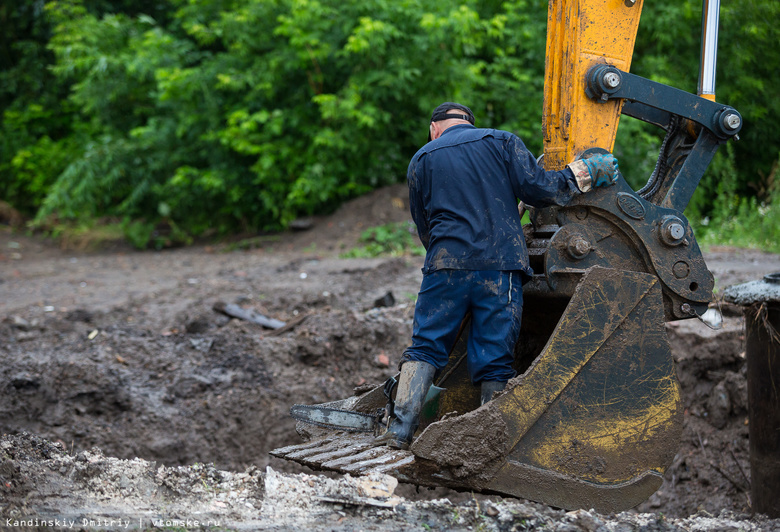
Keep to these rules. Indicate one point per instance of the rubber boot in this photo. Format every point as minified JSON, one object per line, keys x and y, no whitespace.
{"x":489,"y":388}
{"x":416,"y":377}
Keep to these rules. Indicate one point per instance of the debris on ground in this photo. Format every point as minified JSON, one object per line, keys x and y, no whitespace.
{"x":248,"y":314}
{"x":45,"y":486}
{"x":122,"y":351}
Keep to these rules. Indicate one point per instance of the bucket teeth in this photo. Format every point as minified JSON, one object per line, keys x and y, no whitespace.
{"x":386,"y":461}
{"x":405,"y":460}
{"x":362,"y":463}
{"x":355,"y":454}
{"x":339,"y":452}
{"x":305,"y":454}
{"x":282,"y":452}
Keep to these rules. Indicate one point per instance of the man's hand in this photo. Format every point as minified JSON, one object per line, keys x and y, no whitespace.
{"x":598,"y":171}
{"x":603,"y":169}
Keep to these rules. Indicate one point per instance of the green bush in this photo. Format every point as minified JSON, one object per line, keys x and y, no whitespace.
{"x":246,"y":114}
{"x":746,"y":222}
{"x":241,"y":115}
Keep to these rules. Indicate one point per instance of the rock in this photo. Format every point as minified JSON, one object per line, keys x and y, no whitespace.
{"x":382,"y":360}
{"x":387,"y":300}
{"x":17,"y":322}
{"x":719,"y":406}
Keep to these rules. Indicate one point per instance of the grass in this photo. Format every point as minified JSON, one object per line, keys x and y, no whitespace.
{"x":745,"y":223}
{"x":394,"y":239}
{"x":255,"y":242}
{"x":89,"y":236}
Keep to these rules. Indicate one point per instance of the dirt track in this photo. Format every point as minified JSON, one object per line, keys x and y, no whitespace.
{"x":124,"y":351}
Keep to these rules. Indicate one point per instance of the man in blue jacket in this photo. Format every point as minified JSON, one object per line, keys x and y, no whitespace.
{"x":464,"y":185}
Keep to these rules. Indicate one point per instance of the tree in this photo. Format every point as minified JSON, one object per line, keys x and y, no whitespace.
{"x":244,"y":114}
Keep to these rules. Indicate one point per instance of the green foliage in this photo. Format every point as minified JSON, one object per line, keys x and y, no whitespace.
{"x":744,"y":221}
{"x":744,"y":224}
{"x":88,"y":234}
{"x":34,"y":143}
{"x":203,"y":116}
{"x":246,"y":114}
{"x":393,"y":239}
{"x":163,"y":234}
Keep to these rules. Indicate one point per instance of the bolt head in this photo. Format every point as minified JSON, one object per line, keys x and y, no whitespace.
{"x":676,"y":231}
{"x":611,"y":79}
{"x":672,"y":231}
{"x":578,"y":247}
{"x":732,"y":121}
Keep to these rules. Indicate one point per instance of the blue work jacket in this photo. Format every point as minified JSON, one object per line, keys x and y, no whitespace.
{"x":463,"y":192}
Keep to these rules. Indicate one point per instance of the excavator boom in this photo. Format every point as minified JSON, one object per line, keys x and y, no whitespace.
{"x":580,"y":35}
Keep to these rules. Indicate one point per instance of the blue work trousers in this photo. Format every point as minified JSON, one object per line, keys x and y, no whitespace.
{"x":495,"y":300}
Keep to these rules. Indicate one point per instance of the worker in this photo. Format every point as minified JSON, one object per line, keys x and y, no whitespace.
{"x":464,"y":187}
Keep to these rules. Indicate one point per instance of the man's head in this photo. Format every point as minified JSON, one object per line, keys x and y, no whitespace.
{"x":446,"y":115}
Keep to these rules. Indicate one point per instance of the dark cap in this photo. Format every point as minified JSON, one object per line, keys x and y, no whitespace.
{"x":440,"y":113}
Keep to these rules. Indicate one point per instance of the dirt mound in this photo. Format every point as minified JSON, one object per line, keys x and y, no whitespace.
{"x":168,"y":378}
{"x":712,"y":467}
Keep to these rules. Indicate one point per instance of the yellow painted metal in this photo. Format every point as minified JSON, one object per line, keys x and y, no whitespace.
{"x":602,"y":402}
{"x":610,"y":439}
{"x":581,"y":34}
{"x":576,"y":339}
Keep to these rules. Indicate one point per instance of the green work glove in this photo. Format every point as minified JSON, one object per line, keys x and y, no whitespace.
{"x":603,"y":169}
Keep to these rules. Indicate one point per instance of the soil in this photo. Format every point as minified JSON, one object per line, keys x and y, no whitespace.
{"x":124,"y":394}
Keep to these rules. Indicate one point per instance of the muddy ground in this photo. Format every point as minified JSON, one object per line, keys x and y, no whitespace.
{"x":125,"y":395}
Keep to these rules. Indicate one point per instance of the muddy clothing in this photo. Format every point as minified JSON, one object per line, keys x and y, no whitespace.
{"x":463,"y":191}
{"x":495,"y":300}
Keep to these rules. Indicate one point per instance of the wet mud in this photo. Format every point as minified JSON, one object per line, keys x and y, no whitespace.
{"x":471,"y":446}
{"x":124,"y":351}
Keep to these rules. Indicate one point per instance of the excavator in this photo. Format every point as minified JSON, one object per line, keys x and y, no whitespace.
{"x":594,"y":417}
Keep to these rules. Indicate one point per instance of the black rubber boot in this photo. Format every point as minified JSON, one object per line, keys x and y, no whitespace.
{"x":416,"y":377}
{"x":489,"y":388}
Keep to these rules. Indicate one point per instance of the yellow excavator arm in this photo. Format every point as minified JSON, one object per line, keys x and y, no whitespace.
{"x":580,"y":35}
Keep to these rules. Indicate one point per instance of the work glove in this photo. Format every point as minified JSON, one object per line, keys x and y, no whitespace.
{"x":601,"y":170}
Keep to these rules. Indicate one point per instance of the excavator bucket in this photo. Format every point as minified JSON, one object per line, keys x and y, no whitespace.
{"x":592,"y":422}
